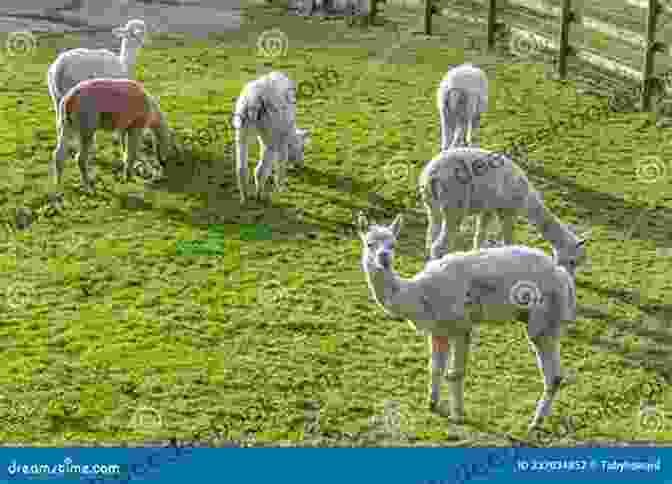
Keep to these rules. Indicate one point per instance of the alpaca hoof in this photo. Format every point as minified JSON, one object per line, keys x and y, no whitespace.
{"x":439,"y":409}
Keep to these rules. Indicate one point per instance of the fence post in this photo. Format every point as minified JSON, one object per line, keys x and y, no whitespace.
{"x":651,"y":47}
{"x":567,"y":17}
{"x":492,"y":10}
{"x":428,"y":16}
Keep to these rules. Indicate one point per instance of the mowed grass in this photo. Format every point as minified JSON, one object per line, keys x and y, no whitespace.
{"x":109,"y":333}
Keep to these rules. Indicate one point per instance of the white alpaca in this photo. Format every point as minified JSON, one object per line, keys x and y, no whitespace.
{"x":462,"y":97}
{"x":266,"y":108}
{"x":451,"y":294}
{"x":471,"y":181}
{"x":76,"y":65}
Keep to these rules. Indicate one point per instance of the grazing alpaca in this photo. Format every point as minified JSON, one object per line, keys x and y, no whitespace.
{"x":76,"y":65}
{"x":461,"y":98}
{"x":110,"y":104}
{"x":451,"y":294}
{"x":266,"y":108}
{"x":471,"y":181}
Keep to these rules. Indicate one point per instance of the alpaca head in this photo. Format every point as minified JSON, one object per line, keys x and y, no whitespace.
{"x":297,"y":145}
{"x":572,"y":255}
{"x":134,"y":32}
{"x":379,"y":242}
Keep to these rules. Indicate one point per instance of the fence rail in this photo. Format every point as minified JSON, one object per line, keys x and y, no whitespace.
{"x":581,"y":32}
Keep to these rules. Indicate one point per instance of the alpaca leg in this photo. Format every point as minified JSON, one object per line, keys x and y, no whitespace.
{"x":447,"y":128}
{"x":280,"y":169}
{"x":60,"y":153}
{"x":474,"y":129}
{"x":133,"y":139}
{"x":86,"y":141}
{"x":483,"y":219}
{"x":456,"y":373}
{"x":507,"y":221}
{"x":547,"y":349}
{"x":241,"y":165}
{"x":263,"y":171}
{"x":439,"y":357}
{"x":433,"y":228}
{"x":451,"y":220}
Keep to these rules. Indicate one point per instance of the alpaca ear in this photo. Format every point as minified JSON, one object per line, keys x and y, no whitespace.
{"x":396,"y":225}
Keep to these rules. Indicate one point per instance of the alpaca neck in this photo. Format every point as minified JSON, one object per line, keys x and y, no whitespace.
{"x":384,"y":284}
{"x":550,"y":226}
{"x":128,"y":56}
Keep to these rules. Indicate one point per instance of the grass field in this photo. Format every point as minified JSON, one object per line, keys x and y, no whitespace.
{"x":111,"y":331}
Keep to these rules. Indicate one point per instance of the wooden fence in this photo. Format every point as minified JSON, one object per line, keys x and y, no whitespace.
{"x":563,"y":21}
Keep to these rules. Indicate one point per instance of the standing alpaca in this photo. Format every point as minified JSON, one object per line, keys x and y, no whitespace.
{"x":266,"y":108}
{"x":76,"y":65}
{"x":471,"y":181}
{"x":110,"y":104}
{"x":450,"y":295}
{"x":461,"y":98}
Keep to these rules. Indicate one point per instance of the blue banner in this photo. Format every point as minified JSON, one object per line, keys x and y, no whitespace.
{"x":352,"y":466}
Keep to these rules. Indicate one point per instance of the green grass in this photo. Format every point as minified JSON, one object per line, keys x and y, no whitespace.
{"x":108,"y":334}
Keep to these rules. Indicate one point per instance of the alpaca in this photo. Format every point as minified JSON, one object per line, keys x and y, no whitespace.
{"x":451,"y":294}
{"x":462,"y":97}
{"x":76,"y":65}
{"x":266,"y":108}
{"x":471,"y":181}
{"x":110,"y":104}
